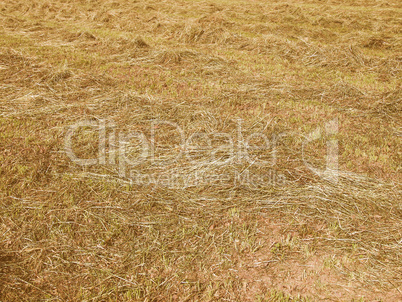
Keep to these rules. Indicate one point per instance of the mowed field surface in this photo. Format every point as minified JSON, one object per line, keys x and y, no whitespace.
{"x":217,"y":218}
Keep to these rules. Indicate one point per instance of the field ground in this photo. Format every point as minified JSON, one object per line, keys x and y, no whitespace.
{"x":215,"y":223}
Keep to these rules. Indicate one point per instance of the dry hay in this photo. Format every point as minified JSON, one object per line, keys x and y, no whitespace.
{"x":282,"y":70}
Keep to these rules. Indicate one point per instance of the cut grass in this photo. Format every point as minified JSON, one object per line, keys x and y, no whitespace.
{"x":195,"y":229}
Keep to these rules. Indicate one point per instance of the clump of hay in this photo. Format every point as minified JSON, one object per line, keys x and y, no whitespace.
{"x":170,"y":56}
{"x":140,"y":43}
{"x":174,"y":56}
{"x":61,"y":75}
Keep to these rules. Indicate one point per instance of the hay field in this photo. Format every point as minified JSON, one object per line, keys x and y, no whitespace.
{"x":200,"y":150}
